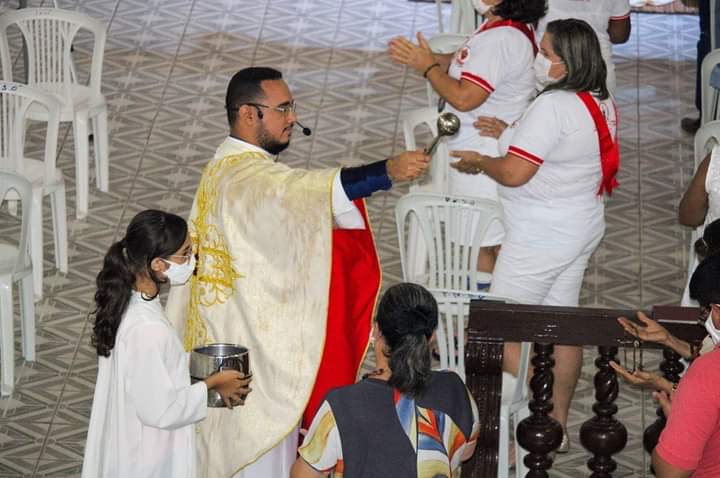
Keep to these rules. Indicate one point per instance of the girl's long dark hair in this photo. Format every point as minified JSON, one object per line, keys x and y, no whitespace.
{"x":577,"y":45}
{"x":407,"y":317}
{"x":150,"y":234}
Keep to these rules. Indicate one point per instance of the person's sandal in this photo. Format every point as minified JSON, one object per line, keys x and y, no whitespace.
{"x":564,"y":444}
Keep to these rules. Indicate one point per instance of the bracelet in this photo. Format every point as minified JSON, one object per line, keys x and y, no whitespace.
{"x":427,"y":70}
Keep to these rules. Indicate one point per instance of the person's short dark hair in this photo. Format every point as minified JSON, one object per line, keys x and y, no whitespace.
{"x":709,"y":243}
{"x":407,"y":317}
{"x":705,"y":282}
{"x":526,"y":11}
{"x":577,"y":45}
{"x":244,"y":88}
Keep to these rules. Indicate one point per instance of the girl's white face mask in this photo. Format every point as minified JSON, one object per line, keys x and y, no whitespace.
{"x":710,"y":327}
{"x":542,"y":66}
{"x":179,"y":274}
{"x":481,"y":7}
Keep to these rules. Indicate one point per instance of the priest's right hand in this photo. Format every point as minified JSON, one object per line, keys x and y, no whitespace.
{"x":408,"y":165}
{"x":231,"y":385}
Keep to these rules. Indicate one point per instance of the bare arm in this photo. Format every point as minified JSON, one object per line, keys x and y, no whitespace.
{"x":619,"y":30}
{"x":301,"y":469}
{"x":461,"y":94}
{"x":664,"y":469}
{"x":694,"y":203}
{"x":509,"y":170}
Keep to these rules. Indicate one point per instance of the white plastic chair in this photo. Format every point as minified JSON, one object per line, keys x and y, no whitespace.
{"x":48,"y":34}
{"x":452,"y":227}
{"x":46,"y":179}
{"x":16,"y":266}
{"x":708,"y":94}
{"x":436,"y":178}
{"x":454,"y":308}
{"x":442,"y":43}
{"x":463,"y":16}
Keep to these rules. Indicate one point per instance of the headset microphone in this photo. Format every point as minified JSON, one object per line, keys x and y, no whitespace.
{"x":306,"y":131}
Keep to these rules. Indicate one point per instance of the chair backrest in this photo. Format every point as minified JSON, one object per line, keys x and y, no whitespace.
{"x":442,"y":43}
{"x":708,"y":94}
{"x":49,"y":34}
{"x":436,"y":179}
{"x":452,"y":229}
{"x":454,"y":313}
{"x":10,"y":182}
{"x":15,"y":100}
{"x":463,"y":17}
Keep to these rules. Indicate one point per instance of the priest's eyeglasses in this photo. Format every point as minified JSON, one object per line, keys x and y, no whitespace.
{"x":284,"y":109}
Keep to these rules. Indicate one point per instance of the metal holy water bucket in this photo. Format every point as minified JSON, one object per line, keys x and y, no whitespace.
{"x":208,"y":359}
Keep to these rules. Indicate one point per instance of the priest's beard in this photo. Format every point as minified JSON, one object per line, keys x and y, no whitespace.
{"x":268,"y":143}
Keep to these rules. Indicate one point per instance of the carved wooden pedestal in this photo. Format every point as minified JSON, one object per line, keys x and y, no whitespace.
{"x":540,"y":434}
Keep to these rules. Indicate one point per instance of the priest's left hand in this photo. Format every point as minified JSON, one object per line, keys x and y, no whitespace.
{"x":408,"y":165}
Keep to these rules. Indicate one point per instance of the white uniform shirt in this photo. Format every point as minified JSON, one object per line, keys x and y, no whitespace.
{"x":144,"y":406}
{"x":499,"y":60}
{"x":598,"y":14}
{"x":557,"y":134}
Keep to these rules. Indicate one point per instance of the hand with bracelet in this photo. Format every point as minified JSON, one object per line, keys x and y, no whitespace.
{"x":652,"y":331}
{"x":418,"y":57}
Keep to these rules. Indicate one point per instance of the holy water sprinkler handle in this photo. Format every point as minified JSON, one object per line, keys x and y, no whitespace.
{"x":447,"y":124}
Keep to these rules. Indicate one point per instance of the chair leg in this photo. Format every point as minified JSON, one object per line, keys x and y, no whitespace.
{"x":7,"y":349}
{"x":36,"y":243}
{"x":80,"y":130}
{"x":27,"y":318}
{"x":503,"y":465}
{"x":100,"y":133}
{"x":59,"y":215}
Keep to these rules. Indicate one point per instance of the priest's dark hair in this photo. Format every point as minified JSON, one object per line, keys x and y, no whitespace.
{"x":577,"y":45}
{"x":150,"y":234}
{"x":525,"y":11}
{"x":407,"y":317}
{"x":244,"y":88}
{"x":705,"y":282}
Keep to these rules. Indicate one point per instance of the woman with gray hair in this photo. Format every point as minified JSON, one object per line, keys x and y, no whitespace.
{"x":558,"y":160}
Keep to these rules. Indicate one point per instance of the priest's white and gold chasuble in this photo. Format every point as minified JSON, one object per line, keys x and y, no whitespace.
{"x":263,"y":234}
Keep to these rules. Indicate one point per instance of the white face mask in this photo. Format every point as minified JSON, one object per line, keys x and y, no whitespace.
{"x":542,"y":66}
{"x":481,"y":7}
{"x":710,"y":327}
{"x":178,"y":274}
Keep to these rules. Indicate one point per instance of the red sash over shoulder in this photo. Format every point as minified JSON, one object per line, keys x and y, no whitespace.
{"x":524,"y":28}
{"x":354,"y":285}
{"x":609,"y":151}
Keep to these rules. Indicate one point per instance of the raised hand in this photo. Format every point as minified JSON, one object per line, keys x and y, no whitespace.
{"x":649,"y":331}
{"x":418,"y":57}
{"x":408,"y":165}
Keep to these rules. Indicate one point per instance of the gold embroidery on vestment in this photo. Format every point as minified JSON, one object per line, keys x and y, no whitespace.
{"x":214,"y":279}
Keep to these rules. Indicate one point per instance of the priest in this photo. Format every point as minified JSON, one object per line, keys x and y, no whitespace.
{"x":286,"y":266}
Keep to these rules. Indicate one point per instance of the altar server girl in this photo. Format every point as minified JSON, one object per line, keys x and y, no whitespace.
{"x":144,"y":405}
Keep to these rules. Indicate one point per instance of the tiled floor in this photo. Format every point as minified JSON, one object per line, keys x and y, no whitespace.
{"x":166,"y":68}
